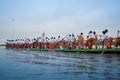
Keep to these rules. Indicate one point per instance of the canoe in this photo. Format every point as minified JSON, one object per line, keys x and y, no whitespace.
{"x":81,"y":50}
{"x":91,"y":50}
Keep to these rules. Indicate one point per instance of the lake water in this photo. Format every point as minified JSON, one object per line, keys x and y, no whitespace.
{"x":38,"y":65}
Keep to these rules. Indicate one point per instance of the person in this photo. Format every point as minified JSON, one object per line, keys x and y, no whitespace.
{"x":28,"y":43}
{"x":43,"y":40}
{"x":22,"y":43}
{"x":117,"y":40}
{"x":69,"y":41}
{"x":54,"y":42}
{"x":73,"y":41}
{"x":58,"y":42}
{"x":25,"y":44}
{"x":13,"y":43}
{"x":86,"y":45}
{"x":18,"y":43}
{"x":39,"y":43}
{"x":35,"y":43}
{"x":63,"y":41}
{"x":103,"y":39}
{"x":95,"y":39}
{"x":80,"y":40}
{"x":66,"y":40}
{"x":108,"y":39}
{"x":90,"y":40}
{"x":47,"y":43}
{"x":51,"y":44}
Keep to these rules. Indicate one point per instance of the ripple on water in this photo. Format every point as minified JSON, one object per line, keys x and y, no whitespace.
{"x":35,"y":65}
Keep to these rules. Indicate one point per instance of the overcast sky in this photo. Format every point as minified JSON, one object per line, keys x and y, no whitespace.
{"x":57,"y":17}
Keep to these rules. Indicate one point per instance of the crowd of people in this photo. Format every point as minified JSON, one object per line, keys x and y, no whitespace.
{"x":70,"y":41}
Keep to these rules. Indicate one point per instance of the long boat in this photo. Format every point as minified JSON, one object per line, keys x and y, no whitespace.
{"x":81,"y":50}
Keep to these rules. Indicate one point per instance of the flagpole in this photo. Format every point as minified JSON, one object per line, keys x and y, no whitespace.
{"x":13,"y":29}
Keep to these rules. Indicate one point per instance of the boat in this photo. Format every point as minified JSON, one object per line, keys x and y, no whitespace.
{"x":81,"y":50}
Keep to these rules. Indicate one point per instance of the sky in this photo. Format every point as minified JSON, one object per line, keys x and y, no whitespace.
{"x":30,"y":18}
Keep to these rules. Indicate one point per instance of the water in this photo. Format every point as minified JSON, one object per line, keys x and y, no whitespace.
{"x":38,"y":65}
